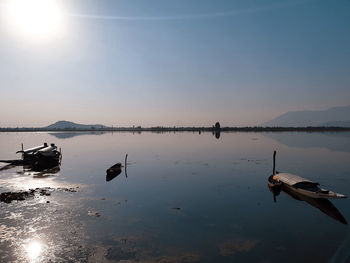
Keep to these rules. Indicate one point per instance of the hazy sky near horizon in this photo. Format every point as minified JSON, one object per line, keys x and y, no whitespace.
{"x":167,"y":62}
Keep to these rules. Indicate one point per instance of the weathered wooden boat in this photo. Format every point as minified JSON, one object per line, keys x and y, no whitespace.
{"x":40,"y":156}
{"x":303,"y":186}
{"x":300,"y":185}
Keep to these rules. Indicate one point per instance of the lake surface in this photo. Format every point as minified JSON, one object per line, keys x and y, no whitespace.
{"x":186,"y":197}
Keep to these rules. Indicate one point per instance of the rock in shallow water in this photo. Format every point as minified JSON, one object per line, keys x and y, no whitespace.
{"x":8,"y":197}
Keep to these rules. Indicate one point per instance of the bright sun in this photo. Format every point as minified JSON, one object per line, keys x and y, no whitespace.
{"x":40,"y":18}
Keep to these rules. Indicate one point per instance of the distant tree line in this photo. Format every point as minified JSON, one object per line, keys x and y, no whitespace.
{"x":214,"y":128}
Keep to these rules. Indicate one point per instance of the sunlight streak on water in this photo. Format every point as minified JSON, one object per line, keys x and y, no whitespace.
{"x":31,"y":180}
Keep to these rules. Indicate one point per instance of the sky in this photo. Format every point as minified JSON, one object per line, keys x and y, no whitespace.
{"x":171,"y":62}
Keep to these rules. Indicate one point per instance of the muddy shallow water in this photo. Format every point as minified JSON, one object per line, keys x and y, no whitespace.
{"x":185,"y":198}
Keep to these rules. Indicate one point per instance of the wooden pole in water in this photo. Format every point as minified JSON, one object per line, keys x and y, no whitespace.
{"x":126,"y":157}
{"x":274,"y":163}
{"x":60,"y":155}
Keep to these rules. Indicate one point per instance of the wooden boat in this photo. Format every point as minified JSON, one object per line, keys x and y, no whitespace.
{"x":300,"y":185}
{"x":39,"y":156}
{"x":114,"y":168}
{"x":44,"y":151}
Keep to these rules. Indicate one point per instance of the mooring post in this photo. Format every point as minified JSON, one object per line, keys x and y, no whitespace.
{"x":274,"y":163}
{"x":60,"y":155}
{"x":125,"y":164}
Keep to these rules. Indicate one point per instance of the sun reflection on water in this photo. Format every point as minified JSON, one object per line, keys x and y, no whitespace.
{"x":33,"y":249}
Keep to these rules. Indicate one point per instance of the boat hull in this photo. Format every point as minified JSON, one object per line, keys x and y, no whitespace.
{"x":316,"y":193}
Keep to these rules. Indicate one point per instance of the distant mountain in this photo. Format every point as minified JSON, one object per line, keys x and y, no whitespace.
{"x":337,"y":123}
{"x":61,"y":125}
{"x":336,"y":115}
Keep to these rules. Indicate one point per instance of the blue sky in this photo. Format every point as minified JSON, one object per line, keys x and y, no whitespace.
{"x":183,"y":62}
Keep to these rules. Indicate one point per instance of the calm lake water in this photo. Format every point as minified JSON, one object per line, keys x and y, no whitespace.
{"x":187,"y":197}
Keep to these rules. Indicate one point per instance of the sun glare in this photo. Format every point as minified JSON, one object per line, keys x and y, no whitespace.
{"x":39,"y":18}
{"x":33,"y":250}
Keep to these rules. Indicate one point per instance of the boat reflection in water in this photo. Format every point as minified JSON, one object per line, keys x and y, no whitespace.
{"x":322,"y":204}
{"x":111,"y":176}
{"x":113,"y":171}
{"x":46,"y":172}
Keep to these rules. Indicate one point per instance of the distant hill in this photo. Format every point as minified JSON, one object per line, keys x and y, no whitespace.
{"x":337,"y":123}
{"x":337,"y":116}
{"x":61,"y":125}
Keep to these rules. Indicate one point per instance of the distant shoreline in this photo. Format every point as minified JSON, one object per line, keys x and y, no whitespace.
{"x":184,"y":129}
